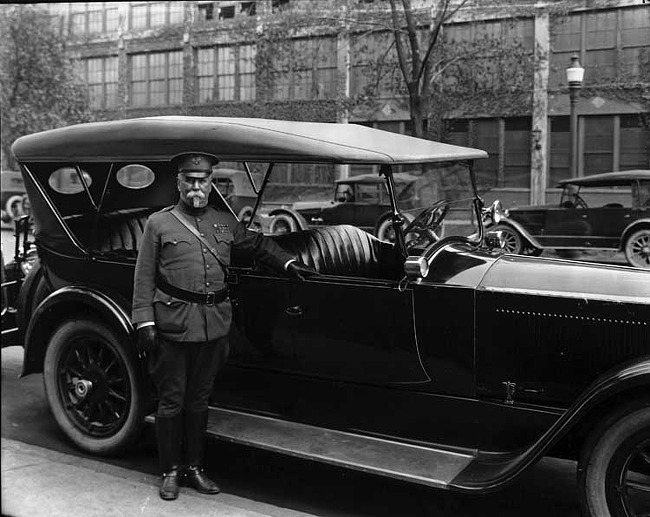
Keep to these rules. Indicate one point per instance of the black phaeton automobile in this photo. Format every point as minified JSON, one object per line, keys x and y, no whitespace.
{"x":608,"y":211}
{"x":435,"y":360}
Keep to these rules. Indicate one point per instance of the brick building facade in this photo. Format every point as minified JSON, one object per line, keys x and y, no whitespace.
{"x":200,"y":58}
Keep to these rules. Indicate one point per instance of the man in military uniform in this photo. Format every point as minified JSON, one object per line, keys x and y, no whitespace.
{"x":183,"y":314}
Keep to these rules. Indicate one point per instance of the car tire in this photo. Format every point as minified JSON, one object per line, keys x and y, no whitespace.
{"x":384,"y":229}
{"x":283,"y":223}
{"x":93,"y":387}
{"x":245,"y":214}
{"x":514,"y":242}
{"x":637,"y":248}
{"x":614,"y":460}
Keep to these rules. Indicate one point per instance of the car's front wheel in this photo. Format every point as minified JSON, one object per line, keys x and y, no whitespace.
{"x":93,"y":387}
{"x":513,"y":241}
{"x":614,"y":467}
{"x":637,"y":248}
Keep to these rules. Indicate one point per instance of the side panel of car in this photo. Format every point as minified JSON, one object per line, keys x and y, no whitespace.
{"x":329,"y":328}
{"x":550,"y":347}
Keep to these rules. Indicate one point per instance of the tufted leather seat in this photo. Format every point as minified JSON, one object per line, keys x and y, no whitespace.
{"x":342,"y":250}
{"x":119,"y":231}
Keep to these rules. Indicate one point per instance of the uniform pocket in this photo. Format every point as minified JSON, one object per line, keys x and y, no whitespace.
{"x":174,"y":251}
{"x":223,"y":245}
{"x":171,"y":315}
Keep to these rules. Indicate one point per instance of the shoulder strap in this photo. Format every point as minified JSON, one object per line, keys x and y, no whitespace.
{"x":196,"y":234}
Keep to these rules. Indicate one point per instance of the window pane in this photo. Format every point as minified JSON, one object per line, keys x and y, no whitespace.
{"x":139,"y":93}
{"x":487,"y":138}
{"x":566,"y":34}
{"x":560,"y":149}
{"x":157,"y":92}
{"x":111,"y":95}
{"x":600,"y":30}
{"x":598,"y":144}
{"x":175,"y":91}
{"x":635,"y":28}
{"x":78,"y":23}
{"x":157,"y":11}
{"x":226,"y":73}
{"x":600,"y":66}
{"x":112,"y":19}
{"x":139,"y":16}
{"x":516,"y":166}
{"x":176,"y":14}
{"x":157,"y":66}
{"x":95,"y":21}
{"x":634,"y":144}
{"x":139,"y":67}
{"x":176,"y":64}
{"x":205,"y":70}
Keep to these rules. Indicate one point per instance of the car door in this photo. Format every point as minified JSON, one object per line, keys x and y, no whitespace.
{"x":335,"y":328}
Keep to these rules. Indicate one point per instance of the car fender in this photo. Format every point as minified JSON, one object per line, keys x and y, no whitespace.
{"x":619,"y":385}
{"x":524,"y":233}
{"x":72,"y":301}
{"x":302,"y":223}
{"x":633,"y":226}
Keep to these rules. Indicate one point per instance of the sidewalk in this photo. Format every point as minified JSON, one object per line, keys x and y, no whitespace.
{"x":39,"y":482}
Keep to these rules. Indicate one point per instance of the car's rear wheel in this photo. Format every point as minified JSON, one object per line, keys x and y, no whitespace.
{"x":283,"y":223}
{"x":614,"y":466}
{"x":637,"y":248}
{"x":93,"y":388}
{"x":513,"y":241}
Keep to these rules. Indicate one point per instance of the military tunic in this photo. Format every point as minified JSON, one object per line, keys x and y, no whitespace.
{"x":193,"y":337}
{"x":169,"y":249}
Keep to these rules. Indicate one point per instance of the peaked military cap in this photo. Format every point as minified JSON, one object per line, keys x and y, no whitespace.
{"x":196,"y":164}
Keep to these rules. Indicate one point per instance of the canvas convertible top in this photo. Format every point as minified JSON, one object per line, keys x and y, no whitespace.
{"x":233,"y":139}
{"x":608,"y":179}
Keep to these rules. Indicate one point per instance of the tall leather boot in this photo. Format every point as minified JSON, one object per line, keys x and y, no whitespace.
{"x":195,"y":425}
{"x":169,"y":433}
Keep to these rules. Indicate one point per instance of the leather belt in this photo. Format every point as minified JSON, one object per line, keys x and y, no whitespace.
{"x":209,"y":298}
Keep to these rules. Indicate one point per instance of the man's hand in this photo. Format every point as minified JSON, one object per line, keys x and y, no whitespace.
{"x":147,"y":339}
{"x":299,"y":271}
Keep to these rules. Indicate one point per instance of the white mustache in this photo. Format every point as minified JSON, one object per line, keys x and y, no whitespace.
{"x":196,"y":193}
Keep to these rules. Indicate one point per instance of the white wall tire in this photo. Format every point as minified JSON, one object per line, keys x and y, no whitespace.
{"x":283,"y":223}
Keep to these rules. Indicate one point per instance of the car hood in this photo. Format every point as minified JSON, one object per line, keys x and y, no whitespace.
{"x":300,"y":206}
{"x":566,"y":278}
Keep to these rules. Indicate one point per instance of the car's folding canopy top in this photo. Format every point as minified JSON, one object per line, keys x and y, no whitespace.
{"x":233,"y":139}
{"x":608,"y":179}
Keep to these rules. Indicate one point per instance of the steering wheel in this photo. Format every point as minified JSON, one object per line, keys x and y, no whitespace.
{"x":424,"y":226}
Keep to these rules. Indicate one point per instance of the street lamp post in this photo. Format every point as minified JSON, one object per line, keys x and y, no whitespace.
{"x":574,"y":76}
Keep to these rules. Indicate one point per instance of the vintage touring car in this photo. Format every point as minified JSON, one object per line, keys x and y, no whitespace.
{"x":608,"y":211}
{"x":436,"y":360}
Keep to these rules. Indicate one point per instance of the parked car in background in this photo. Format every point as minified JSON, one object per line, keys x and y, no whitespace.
{"x":361,"y":201}
{"x":236,"y":188}
{"x":609,"y":211}
{"x":13,"y":200}
{"x":431,"y":359}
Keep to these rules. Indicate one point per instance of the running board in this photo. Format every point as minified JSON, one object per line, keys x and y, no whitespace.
{"x":412,"y":463}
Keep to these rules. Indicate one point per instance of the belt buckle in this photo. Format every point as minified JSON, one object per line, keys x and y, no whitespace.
{"x":209,"y":300}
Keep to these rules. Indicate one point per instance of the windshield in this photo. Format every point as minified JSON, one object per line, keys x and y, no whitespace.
{"x":447,"y":187}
